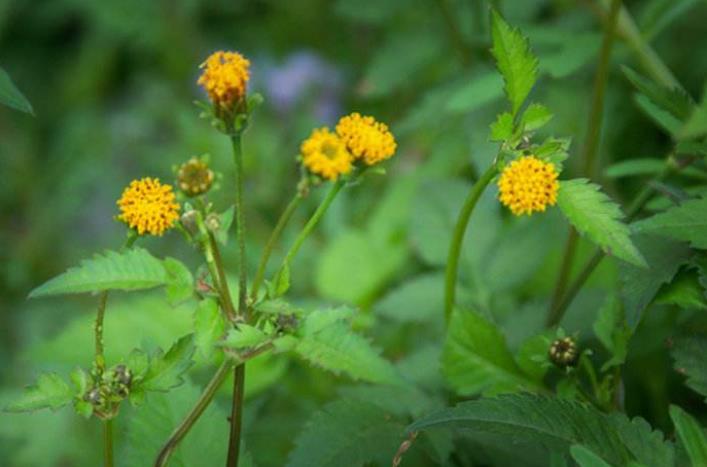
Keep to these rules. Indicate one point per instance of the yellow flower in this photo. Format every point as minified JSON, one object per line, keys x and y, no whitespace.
{"x":528,"y":185}
{"x":194,"y":177}
{"x":325,"y":154}
{"x":225,"y":77}
{"x":366,"y":138}
{"x":148,"y":206}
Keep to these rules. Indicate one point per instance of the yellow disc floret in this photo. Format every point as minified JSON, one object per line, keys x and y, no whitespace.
{"x":325,"y":154}
{"x":148,"y":206}
{"x":528,"y":185}
{"x":224,"y":77}
{"x":366,"y":138}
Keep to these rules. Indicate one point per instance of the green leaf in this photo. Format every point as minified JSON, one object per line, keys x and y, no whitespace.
{"x":133,"y":269}
{"x":345,"y":432}
{"x":689,"y":354}
{"x":674,"y":101}
{"x":476,"y":359}
{"x":592,"y":213}
{"x":640,"y":285}
{"x":224,"y":225}
{"x":691,"y":435}
{"x":11,"y":96}
{"x":418,"y":300}
{"x":613,"y":331}
{"x":483,"y":88}
{"x":634,"y":167}
{"x":535,"y":116}
{"x":685,"y":291}
{"x":515,"y":61}
{"x":243,"y":337}
{"x":166,"y":369}
{"x":585,"y":457}
{"x":532,"y":356}
{"x":554,"y":423}
{"x":685,"y":222}
{"x":502,"y":128}
{"x":180,"y":282}
{"x":51,"y":391}
{"x":661,"y":117}
{"x":209,"y":326}
{"x":327,"y":342}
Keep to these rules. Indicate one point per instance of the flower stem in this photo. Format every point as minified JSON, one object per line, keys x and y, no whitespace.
{"x":274,"y":236}
{"x":591,"y":146}
{"x":311,"y":223}
{"x":450,"y":280}
{"x":239,"y":372}
{"x":108,"y":441}
{"x":204,"y":400}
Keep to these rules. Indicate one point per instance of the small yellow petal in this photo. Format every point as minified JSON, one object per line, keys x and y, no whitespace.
{"x":148,"y":206}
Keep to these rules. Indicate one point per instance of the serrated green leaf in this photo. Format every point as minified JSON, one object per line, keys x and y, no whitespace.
{"x":591,"y":212}
{"x":689,"y":355}
{"x":553,"y":150}
{"x":166,"y":369}
{"x":278,"y":306}
{"x":345,"y":432}
{"x":613,"y":331}
{"x":647,"y":447}
{"x":691,"y":435}
{"x":685,"y":222}
{"x":50,"y":391}
{"x":660,"y":117}
{"x":133,"y":269}
{"x":684,"y":291}
{"x":532,"y":356}
{"x":11,"y":96}
{"x":180,"y":282}
{"x":502,"y":128}
{"x":634,"y":167}
{"x":476,"y":359}
{"x":244,"y":336}
{"x":209,"y":326}
{"x":535,"y":116}
{"x":317,"y":320}
{"x":674,"y":101}
{"x":515,"y":61}
{"x":585,"y":457}
{"x":338,"y":349}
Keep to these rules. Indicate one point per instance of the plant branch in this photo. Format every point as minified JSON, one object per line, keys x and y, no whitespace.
{"x":450,"y":281}
{"x":108,"y":442}
{"x":591,"y":146}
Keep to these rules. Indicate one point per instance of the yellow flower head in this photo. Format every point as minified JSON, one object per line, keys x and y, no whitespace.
{"x":148,"y":206}
{"x":366,"y":138}
{"x":225,"y":77}
{"x":528,"y":185}
{"x":325,"y":154}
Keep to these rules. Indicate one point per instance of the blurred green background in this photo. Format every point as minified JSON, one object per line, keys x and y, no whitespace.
{"x":112,"y":83}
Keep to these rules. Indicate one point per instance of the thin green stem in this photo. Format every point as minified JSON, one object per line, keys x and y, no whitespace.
{"x":274,"y":237}
{"x":236,"y":418}
{"x":108,"y":441}
{"x":204,"y":400}
{"x":591,"y":146}
{"x":450,"y":282}
{"x":311,"y":224}
{"x":221,"y":273}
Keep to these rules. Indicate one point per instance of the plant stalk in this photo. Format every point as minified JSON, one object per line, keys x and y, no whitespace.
{"x":450,"y":281}
{"x":311,"y":223}
{"x":274,"y":237}
{"x":591,"y":146}
{"x":108,"y":441}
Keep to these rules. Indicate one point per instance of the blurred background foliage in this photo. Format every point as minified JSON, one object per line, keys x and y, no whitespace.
{"x":112,"y":84}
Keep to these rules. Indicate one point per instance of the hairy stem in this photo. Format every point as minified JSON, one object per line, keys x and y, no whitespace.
{"x":108,"y":441}
{"x":450,"y":281}
{"x":311,"y":223}
{"x":274,"y":237}
{"x":201,"y":404}
{"x":236,"y":418}
{"x":591,"y":146}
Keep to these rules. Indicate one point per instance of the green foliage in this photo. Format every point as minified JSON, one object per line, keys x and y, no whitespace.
{"x":684,"y":222}
{"x":592,"y":213}
{"x":585,"y":457}
{"x":689,"y":354}
{"x":209,"y":326}
{"x":476,"y":359}
{"x":11,"y":96}
{"x":692,"y":436}
{"x":556,"y":424}
{"x":515,"y":61}
{"x":634,"y":167}
{"x":418,"y":300}
{"x":347,"y":432}
{"x":244,"y":336}
{"x":502,"y":128}
{"x":51,"y":391}
{"x":674,"y":101}
{"x":613,"y":331}
{"x":535,"y":116}
{"x":133,"y":269}
{"x":167,"y":369}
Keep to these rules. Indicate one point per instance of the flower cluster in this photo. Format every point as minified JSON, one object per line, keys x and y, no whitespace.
{"x":357,"y":138}
{"x":224,"y":78}
{"x":194,"y":177}
{"x":528,"y":185}
{"x":148,"y":206}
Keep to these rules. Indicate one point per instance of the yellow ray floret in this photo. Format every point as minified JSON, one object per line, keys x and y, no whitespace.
{"x":366,"y":138}
{"x":528,"y":185}
{"x":325,"y":154}
{"x":224,"y":77}
{"x":148,"y":206}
